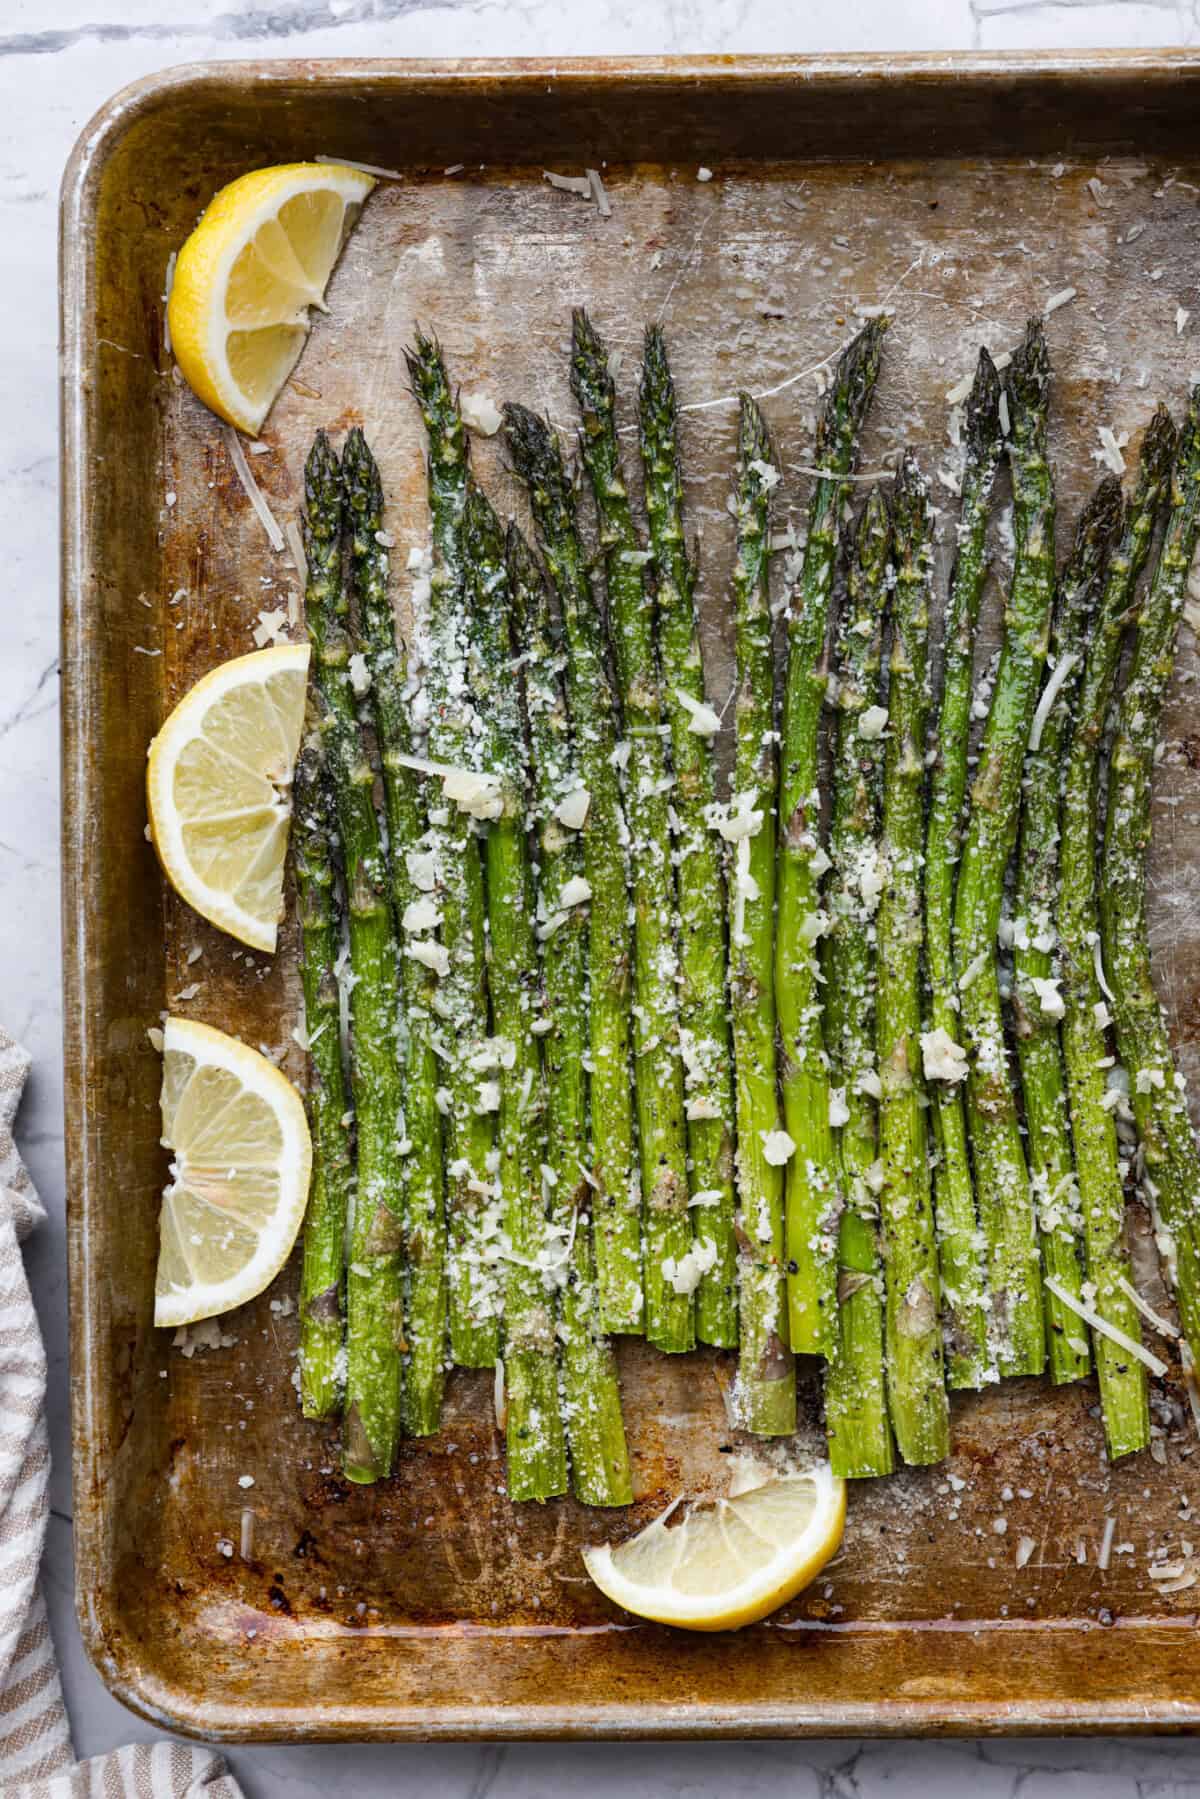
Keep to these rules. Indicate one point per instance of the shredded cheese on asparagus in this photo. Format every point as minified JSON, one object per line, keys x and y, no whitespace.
{"x":1091,"y":1316}
{"x":1050,"y":693}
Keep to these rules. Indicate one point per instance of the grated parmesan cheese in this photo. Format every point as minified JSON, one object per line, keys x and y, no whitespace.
{"x":295,"y":543}
{"x":1098,"y":963}
{"x":686,"y":1274}
{"x":778,"y":1147}
{"x":253,"y":491}
{"x":767,"y":473}
{"x":434,"y":956}
{"x":1050,"y":693}
{"x":737,"y":820}
{"x":942,"y":1057}
{"x":1110,"y":449}
{"x":872,"y":723}
{"x":704,"y":721}
{"x":973,"y":970}
{"x":1091,"y":1316}
{"x":575,"y":891}
{"x":480,"y":413}
{"x":706,"y":1196}
{"x":569,"y":184}
{"x":422,"y":866}
{"x":1049,"y":997}
{"x":1161,"y":1325}
{"x":420,"y":915}
{"x":476,"y":794}
{"x":364,"y":168}
{"x":598,"y":194}
{"x":572,"y":810}
{"x":272,"y":629}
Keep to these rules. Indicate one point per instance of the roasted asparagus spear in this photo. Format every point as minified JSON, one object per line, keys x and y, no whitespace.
{"x":856,"y":1413}
{"x":766,"y":1372}
{"x":537,"y":1462}
{"x":1037,"y":1002}
{"x":703,"y":1021}
{"x":969,"y":1362}
{"x":1001,"y":1176}
{"x":812,"y":1184}
{"x":471,"y":1216}
{"x":669,"y":1266}
{"x":1171,"y":1161}
{"x":374,"y":1324}
{"x":596,"y":808}
{"x":417,"y":916}
{"x":916,"y":1393}
{"x":1123,"y":1394}
{"x":322,"y":1326}
{"x":600,"y":1473}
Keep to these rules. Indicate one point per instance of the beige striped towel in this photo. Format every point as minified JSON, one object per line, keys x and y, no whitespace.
{"x":36,"y":1757}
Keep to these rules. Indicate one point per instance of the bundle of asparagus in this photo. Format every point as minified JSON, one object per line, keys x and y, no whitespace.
{"x":600,"y":1020}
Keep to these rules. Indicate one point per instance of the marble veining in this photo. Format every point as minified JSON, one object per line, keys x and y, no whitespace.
{"x":59,"y":60}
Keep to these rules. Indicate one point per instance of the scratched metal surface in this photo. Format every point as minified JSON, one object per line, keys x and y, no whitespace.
{"x":429,"y":1605}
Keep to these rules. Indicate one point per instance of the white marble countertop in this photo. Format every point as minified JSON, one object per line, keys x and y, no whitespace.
{"x":59,"y":59}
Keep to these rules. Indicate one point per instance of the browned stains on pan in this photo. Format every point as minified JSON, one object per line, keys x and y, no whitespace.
{"x":1011,"y":1589}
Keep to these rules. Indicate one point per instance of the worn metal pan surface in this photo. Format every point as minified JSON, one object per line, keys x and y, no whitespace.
{"x":958,"y":193}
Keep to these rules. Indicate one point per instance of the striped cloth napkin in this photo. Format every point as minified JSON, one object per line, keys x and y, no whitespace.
{"x":36,"y":1757}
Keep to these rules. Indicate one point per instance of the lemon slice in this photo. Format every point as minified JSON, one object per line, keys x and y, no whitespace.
{"x":241,"y":1159}
{"x":247,"y":277}
{"x":217,"y":787}
{"x":727,"y":1562}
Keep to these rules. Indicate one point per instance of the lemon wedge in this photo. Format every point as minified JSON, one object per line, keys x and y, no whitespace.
{"x":727,"y":1562}
{"x":241,"y":1158}
{"x":218,"y":789}
{"x":249,"y":274}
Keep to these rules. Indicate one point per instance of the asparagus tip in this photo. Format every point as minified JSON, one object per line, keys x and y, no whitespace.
{"x":983,"y":402}
{"x":591,"y":382}
{"x":657,"y":386}
{"x":910,"y":489}
{"x":871,"y":537}
{"x":854,"y":378}
{"x":530,"y":440}
{"x":360,"y":476}
{"x":1101,"y":517}
{"x":1029,"y":371}
{"x":754,"y":434}
{"x":322,"y":488}
{"x":427,"y":372}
